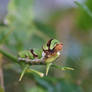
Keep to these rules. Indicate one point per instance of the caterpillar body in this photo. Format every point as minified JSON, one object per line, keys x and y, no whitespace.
{"x":49,"y":52}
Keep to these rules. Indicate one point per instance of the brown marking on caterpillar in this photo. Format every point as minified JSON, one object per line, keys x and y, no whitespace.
{"x":48,"y":43}
{"x":34,"y":55}
{"x":58,"y":47}
{"x":54,"y":51}
{"x":48,"y":53}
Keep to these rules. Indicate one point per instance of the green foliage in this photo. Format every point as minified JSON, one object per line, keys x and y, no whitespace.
{"x":84,"y":19}
{"x":37,"y":89}
{"x":46,"y":29}
{"x":58,"y":85}
{"x":23,"y":32}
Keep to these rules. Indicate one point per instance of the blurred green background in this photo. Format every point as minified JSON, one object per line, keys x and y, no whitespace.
{"x":29,"y":24}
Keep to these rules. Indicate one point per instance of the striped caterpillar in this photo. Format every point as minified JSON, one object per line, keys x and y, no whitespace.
{"x":49,"y":53}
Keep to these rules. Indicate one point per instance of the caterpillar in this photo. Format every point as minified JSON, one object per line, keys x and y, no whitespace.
{"x":47,"y":54}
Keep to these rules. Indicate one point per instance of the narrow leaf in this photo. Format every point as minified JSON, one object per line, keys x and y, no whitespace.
{"x":62,"y":68}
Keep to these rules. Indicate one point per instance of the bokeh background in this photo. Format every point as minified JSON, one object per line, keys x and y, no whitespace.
{"x":28,"y":24}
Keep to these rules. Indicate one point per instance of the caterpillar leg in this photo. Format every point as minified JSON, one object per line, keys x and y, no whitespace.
{"x":47,"y":68}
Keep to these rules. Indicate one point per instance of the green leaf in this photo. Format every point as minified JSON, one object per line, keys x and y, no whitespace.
{"x":45,"y":84}
{"x":84,"y":18}
{"x":37,"y":89}
{"x":62,"y":68}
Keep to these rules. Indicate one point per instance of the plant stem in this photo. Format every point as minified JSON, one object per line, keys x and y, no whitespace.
{"x":8,"y":55}
{"x":47,"y":68}
{"x":22,"y":74}
{"x":36,"y":72}
{"x":1,"y":74}
{"x":62,"y":68}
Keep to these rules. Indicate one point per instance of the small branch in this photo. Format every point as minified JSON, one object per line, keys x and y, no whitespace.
{"x":15,"y":59}
{"x":1,"y":78}
{"x":8,"y":55}
{"x":1,"y":74}
{"x":22,"y":74}
{"x":47,"y":68}
{"x":62,"y":68}
{"x":36,"y":72}
{"x":32,"y":62}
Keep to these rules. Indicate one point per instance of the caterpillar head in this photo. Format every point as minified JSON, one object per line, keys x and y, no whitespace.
{"x":53,"y":46}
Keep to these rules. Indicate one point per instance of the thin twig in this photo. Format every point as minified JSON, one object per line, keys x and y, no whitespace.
{"x":15,"y":59}
{"x":1,"y":74}
{"x":25,"y":69}
{"x":8,"y":55}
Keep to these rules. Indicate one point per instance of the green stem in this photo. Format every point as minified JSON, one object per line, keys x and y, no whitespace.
{"x":26,"y":69}
{"x":47,"y":68}
{"x":62,"y":68}
{"x":8,"y":55}
{"x":23,"y":72}
{"x":37,"y":72}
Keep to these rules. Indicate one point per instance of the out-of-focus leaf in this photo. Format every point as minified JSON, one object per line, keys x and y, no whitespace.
{"x":84,"y":19}
{"x":60,"y":85}
{"x":45,"y":84}
{"x":69,"y":87}
{"x":46,"y":29}
{"x":37,"y":89}
{"x":1,"y":89}
{"x":83,"y":6}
